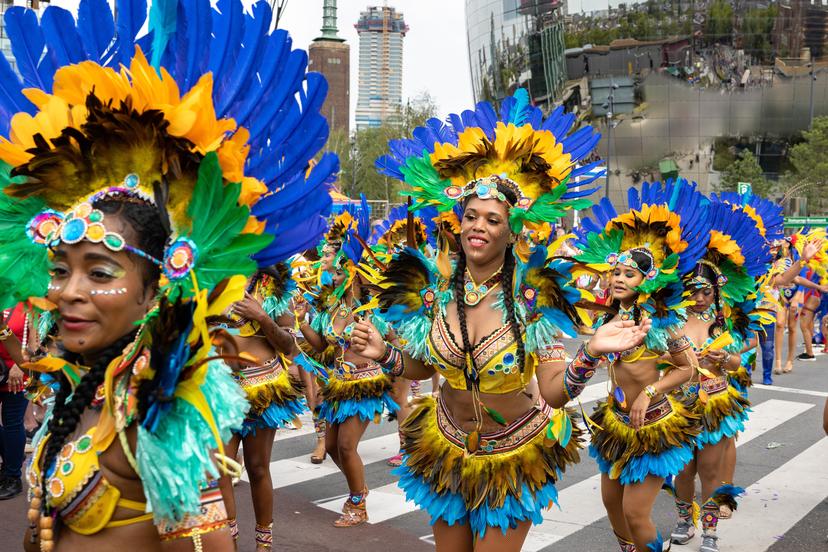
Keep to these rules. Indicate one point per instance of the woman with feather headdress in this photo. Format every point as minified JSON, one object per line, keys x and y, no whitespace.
{"x":785,"y":277}
{"x":143,"y":180}
{"x":263,"y":351}
{"x":722,"y":286}
{"x":356,"y":391}
{"x":483,"y":458}
{"x":640,"y":434}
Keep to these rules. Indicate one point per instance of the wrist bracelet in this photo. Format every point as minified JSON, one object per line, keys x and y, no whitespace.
{"x":578,"y":372}
{"x":392,"y":361}
{"x":678,"y":344}
{"x":5,"y":333}
{"x":650,"y":391}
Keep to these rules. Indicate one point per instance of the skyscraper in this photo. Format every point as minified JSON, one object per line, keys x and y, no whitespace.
{"x":331,"y":56}
{"x":381,"y":31}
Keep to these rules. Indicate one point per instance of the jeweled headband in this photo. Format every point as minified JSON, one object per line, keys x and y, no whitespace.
{"x":625,"y":258}
{"x":697,"y":281}
{"x":83,"y":222}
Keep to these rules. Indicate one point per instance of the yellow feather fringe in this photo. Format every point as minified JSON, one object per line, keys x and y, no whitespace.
{"x":279,"y":390}
{"x":446,"y":467}
{"x":343,"y":390}
{"x":618,"y":442}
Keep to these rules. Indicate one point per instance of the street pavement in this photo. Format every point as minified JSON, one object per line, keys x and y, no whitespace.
{"x":782,"y":464}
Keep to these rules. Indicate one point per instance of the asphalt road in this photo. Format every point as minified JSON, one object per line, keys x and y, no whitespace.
{"x":782,"y":462}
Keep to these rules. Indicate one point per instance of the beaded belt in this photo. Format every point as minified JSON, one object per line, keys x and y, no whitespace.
{"x":714,"y":385}
{"x":657,"y":411}
{"x":350,"y":371}
{"x":509,"y":438}
{"x":254,"y":375}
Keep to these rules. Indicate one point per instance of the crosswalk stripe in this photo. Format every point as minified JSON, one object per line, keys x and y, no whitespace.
{"x":791,"y":390}
{"x":581,"y":502}
{"x":299,"y":469}
{"x":779,"y":500}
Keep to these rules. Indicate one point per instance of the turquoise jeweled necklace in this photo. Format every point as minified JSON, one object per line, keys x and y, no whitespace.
{"x":474,"y":293}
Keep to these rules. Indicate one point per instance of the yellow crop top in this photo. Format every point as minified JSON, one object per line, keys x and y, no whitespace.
{"x":78,"y":489}
{"x":495,"y":357}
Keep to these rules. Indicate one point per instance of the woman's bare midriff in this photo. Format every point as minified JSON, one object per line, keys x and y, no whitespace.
{"x":511,"y":406}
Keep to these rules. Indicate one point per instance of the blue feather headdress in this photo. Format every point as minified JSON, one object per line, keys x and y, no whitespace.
{"x":477,"y":153}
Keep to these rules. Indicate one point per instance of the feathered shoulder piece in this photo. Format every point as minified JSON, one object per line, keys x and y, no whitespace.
{"x":666,"y":228}
{"x":276,"y":287}
{"x":536,"y":158}
{"x":545,"y":298}
{"x":408,"y":289}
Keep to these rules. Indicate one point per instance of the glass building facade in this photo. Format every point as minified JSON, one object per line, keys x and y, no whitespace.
{"x":516,"y":43}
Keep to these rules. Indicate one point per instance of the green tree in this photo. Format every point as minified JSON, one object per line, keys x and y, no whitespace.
{"x":358,"y":152}
{"x":810,"y":161}
{"x":719,"y":26}
{"x":746,"y":168}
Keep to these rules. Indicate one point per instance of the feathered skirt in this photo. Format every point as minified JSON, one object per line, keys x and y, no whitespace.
{"x":508,"y":480}
{"x":356,"y":390}
{"x":661,"y":447}
{"x":722,"y":410}
{"x":276,"y":400}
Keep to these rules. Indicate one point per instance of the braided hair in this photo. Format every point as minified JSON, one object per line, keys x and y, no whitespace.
{"x":507,"y":282}
{"x":149,"y":235}
{"x":66,"y":415}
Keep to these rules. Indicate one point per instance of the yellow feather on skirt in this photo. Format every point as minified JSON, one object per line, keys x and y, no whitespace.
{"x":517,"y":457}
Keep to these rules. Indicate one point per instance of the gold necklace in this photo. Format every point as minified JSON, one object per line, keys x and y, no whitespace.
{"x":474,"y":293}
{"x":706,"y":316}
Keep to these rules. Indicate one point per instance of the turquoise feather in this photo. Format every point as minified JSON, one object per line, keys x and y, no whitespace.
{"x":162,"y":24}
{"x":179,"y":454}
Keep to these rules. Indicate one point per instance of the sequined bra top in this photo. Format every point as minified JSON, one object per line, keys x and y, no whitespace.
{"x":495,"y":357}
{"x":78,"y":490}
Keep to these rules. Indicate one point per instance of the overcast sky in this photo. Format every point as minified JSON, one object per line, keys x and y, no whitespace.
{"x":434,"y":56}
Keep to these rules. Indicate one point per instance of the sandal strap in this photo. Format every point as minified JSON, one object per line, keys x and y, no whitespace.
{"x":264,"y":535}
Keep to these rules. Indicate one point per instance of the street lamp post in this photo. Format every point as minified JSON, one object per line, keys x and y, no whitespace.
{"x":811,"y":101}
{"x":609,"y":105}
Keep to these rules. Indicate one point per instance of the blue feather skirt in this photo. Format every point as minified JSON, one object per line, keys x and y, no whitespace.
{"x":723,"y":414}
{"x":276,"y":400}
{"x":510,"y":479}
{"x":356,"y":390}
{"x":661,"y":447}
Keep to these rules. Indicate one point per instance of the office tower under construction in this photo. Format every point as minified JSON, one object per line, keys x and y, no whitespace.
{"x":381,"y":31}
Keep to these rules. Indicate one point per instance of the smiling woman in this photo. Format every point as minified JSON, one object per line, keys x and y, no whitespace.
{"x":484,"y":458}
{"x":133,"y":199}
{"x":101,"y":293}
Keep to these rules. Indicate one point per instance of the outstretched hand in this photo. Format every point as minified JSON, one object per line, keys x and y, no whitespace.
{"x":811,"y":248}
{"x":619,"y":335}
{"x":366,"y":340}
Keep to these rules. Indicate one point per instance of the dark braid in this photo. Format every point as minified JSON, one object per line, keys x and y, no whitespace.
{"x":459,"y":282}
{"x":509,"y":301}
{"x":719,"y":322}
{"x":66,"y":416}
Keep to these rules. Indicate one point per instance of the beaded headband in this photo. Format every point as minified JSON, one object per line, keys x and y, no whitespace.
{"x":83,"y":222}
{"x":486,"y":188}
{"x":698,"y":281}
{"x":626,"y":259}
